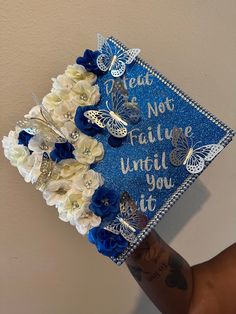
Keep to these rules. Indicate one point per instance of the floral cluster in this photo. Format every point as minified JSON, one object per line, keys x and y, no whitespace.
{"x":73,"y":187}
{"x":73,"y":184}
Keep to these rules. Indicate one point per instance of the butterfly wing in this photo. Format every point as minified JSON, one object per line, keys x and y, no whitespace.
{"x":196,"y":162}
{"x":104,"y":59}
{"x":132,"y":218}
{"x":99,"y":117}
{"x":181,"y":147}
{"x":119,"y":84}
{"x":103,"y":45}
{"x":129,"y":112}
{"x":128,"y":222}
{"x":46,"y":169}
{"x":113,"y":226}
{"x":116,"y":128}
{"x":129,"y":55}
{"x":118,"y":68}
{"x":123,"y":58}
{"x":38,"y":126}
{"x":208,"y":152}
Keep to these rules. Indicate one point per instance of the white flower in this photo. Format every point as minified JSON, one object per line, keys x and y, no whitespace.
{"x":69,"y":167}
{"x":88,"y":150}
{"x":30,"y":169}
{"x":56,"y":191}
{"x":73,"y":208}
{"x":88,"y":182}
{"x":84,"y":94}
{"x":65,"y":111}
{"x":53,"y":99}
{"x":62,"y":83}
{"x":38,"y":144}
{"x":78,"y":72}
{"x":70,"y":131}
{"x":84,"y":223}
{"x":13,"y":151}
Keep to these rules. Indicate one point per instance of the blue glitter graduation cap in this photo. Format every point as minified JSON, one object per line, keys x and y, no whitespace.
{"x":114,"y":157}
{"x":162,"y":154}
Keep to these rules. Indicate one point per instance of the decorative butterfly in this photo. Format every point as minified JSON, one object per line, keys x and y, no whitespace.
{"x":122,"y":113}
{"x":44,"y":126}
{"x":46,"y":170}
{"x":193,"y":158}
{"x":114,"y":61}
{"x":129,"y":221}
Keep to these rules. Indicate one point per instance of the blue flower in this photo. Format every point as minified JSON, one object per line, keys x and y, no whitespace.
{"x":82,"y":122}
{"x":115,"y":141}
{"x":24,"y":138}
{"x":107,"y":243}
{"x":62,"y":151}
{"x":89,"y":61}
{"x":105,"y":203}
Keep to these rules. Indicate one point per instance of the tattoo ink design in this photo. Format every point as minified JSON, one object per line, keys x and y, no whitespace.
{"x":157,"y":273}
{"x":176,"y":278}
{"x":137,"y":272}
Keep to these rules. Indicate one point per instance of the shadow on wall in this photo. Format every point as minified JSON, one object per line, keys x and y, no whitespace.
{"x":179,"y":215}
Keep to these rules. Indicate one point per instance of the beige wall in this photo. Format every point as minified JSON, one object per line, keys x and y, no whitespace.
{"x":45,"y":266}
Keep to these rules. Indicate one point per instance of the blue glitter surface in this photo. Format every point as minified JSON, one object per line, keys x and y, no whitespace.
{"x":183,"y":115}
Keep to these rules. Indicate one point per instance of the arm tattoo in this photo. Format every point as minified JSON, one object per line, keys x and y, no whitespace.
{"x":175,"y":278}
{"x":136,"y":272}
{"x":149,"y":262}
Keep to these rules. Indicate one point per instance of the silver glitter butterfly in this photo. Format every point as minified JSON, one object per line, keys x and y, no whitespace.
{"x":114,"y":61}
{"x":193,"y":158}
{"x":44,"y":126}
{"x":129,"y":221}
{"x":122,"y":113}
{"x":46,"y":169}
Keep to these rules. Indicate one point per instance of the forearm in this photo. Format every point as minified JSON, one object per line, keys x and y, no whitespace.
{"x":162,"y":274}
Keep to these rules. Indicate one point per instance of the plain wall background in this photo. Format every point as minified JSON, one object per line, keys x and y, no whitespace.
{"x":46,"y":267}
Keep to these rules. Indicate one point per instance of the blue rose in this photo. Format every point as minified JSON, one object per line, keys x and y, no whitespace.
{"x":107,"y":243}
{"x":24,"y":138}
{"x":115,"y":141}
{"x":105,"y":203}
{"x":89,"y":61}
{"x":82,"y":122}
{"x":62,"y":151}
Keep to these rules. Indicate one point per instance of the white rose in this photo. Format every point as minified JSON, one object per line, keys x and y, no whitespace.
{"x":71,"y":132}
{"x":62,"y":83}
{"x":30,"y":169}
{"x":88,"y":151}
{"x":56,"y":191}
{"x":38,"y":144}
{"x":65,"y":111}
{"x":87,"y":182}
{"x":78,"y":72}
{"x":89,"y":221}
{"x":14,"y":152}
{"x":73,"y":208}
{"x":53,"y":99}
{"x":69,"y":167}
{"x":84,"y":94}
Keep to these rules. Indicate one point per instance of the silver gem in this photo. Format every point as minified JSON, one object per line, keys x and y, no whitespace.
{"x":84,"y":97}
